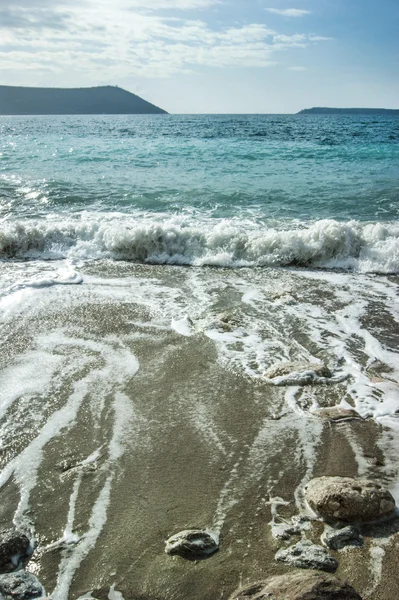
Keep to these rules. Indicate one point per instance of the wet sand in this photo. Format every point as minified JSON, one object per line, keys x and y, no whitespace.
{"x":181,"y":439}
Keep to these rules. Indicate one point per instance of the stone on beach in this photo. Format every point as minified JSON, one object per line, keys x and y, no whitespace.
{"x":298,"y":373}
{"x":228,"y":321}
{"x":283,"y":530}
{"x":348,"y":499}
{"x":298,"y":586}
{"x":336,"y":413}
{"x":306,"y":555}
{"x":336,"y":539}
{"x":20,"y":585}
{"x":14,"y":548}
{"x":192,"y":544}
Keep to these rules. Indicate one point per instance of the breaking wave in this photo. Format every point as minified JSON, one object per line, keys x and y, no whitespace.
{"x":363,"y":247}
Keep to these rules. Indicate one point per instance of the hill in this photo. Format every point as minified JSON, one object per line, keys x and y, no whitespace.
{"x":348,"y":111}
{"x":72,"y":101}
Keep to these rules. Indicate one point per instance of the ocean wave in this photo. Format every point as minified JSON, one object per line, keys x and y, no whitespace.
{"x":352,"y":245}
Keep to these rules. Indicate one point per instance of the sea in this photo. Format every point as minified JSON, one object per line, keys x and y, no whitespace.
{"x":152,"y":269}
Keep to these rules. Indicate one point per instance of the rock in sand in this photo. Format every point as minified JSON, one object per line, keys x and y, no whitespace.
{"x":305,"y":555}
{"x":298,"y":586}
{"x":336,"y":539}
{"x":193,"y":544}
{"x":348,"y":499}
{"x":336,"y":413}
{"x":20,"y":585}
{"x":285,"y":529}
{"x":298,"y":373}
{"x":14,"y":549}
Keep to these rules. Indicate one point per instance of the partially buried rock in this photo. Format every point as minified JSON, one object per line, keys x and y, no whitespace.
{"x":336,"y":413}
{"x":20,"y":585}
{"x":298,"y":373}
{"x":348,"y":499}
{"x":305,"y":555}
{"x":298,"y":586}
{"x":193,"y":544}
{"x":283,"y":530}
{"x":14,"y":549}
{"x":336,"y":539}
{"x":228,"y":321}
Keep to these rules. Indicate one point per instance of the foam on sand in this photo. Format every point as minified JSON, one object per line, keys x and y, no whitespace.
{"x":182,"y":326}
{"x":114,"y":364}
{"x":66,"y":276}
{"x":72,"y":558}
{"x":250,"y":320}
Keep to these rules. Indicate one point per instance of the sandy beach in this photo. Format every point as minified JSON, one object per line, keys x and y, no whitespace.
{"x":149,"y":414}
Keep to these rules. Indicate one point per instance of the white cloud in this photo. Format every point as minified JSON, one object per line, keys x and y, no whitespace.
{"x":297,"y":68}
{"x":170,"y":4}
{"x":289,"y":12}
{"x":31,"y":18}
{"x":103,"y":42}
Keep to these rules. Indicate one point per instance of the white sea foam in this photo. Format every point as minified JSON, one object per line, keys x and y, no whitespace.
{"x":24,"y":377}
{"x":364,"y":247}
{"x":182,"y":326}
{"x":276,"y":316}
{"x":114,"y":594}
{"x":66,"y":276}
{"x":71,"y":560}
{"x":303,"y":378}
{"x":110,"y":365}
{"x":336,"y":327}
{"x":330,"y":313}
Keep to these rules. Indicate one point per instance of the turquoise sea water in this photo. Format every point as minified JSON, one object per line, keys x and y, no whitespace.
{"x":228,"y":190}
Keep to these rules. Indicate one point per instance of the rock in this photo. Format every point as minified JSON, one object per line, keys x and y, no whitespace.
{"x":283,"y":531}
{"x":375,"y":461}
{"x":70,"y":468}
{"x":298,"y":373}
{"x":303,"y":521}
{"x":305,"y":555}
{"x":298,"y":586}
{"x":105,"y":593}
{"x":348,"y":499}
{"x":336,"y":413}
{"x":286,"y":368}
{"x":192,"y":544}
{"x":336,"y":539}
{"x":20,"y":585}
{"x":227,"y":318}
{"x":14,"y":549}
{"x":227,"y":321}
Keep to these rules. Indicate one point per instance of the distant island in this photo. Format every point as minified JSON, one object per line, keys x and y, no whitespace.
{"x":348,"y":111}
{"x":103,"y":100}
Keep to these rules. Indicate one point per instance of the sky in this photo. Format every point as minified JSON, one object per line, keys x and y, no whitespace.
{"x":209,"y":56}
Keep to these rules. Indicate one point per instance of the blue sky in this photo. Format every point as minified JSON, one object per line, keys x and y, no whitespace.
{"x":214,"y":56}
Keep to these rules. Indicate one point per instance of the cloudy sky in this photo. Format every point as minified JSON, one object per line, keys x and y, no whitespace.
{"x":215,"y":56}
